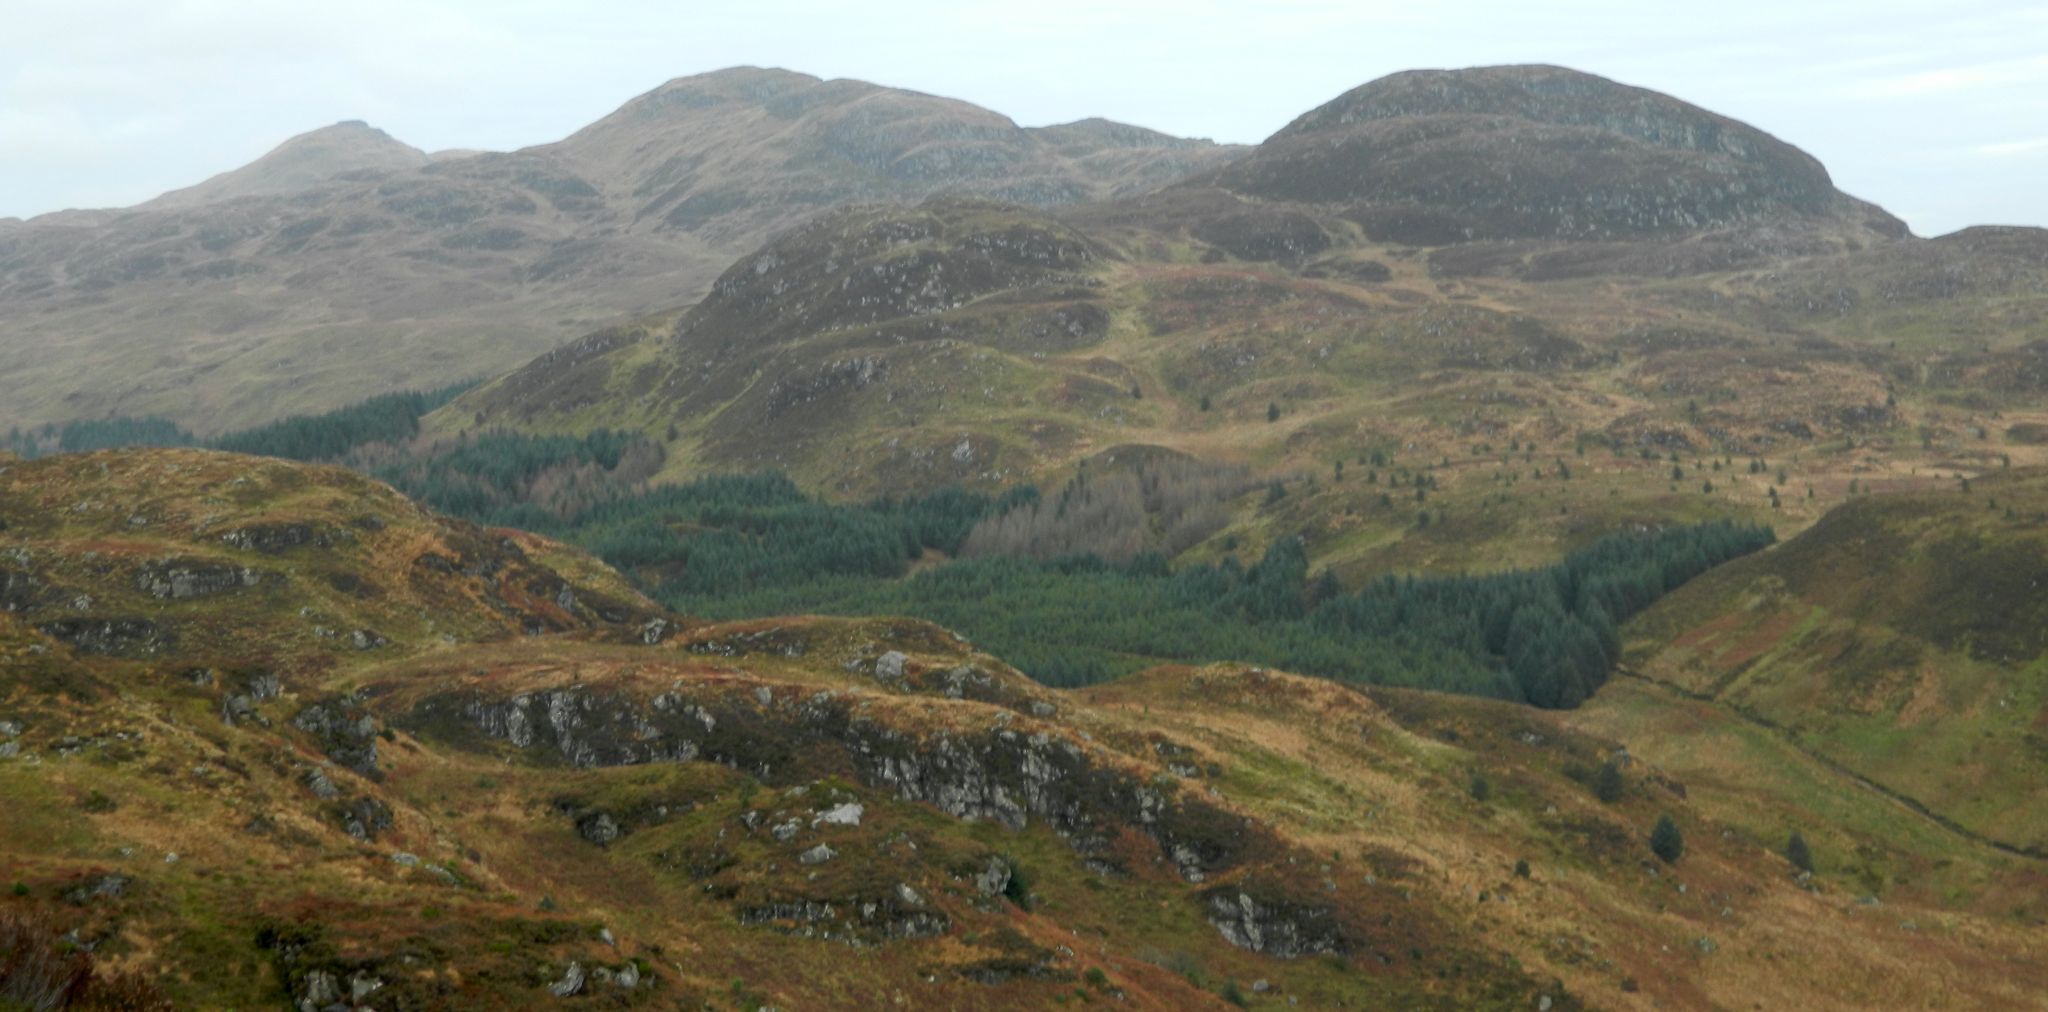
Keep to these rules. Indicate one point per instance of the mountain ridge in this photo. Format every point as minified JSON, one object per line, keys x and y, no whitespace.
{"x":303,"y":162}
{"x":365,"y":277}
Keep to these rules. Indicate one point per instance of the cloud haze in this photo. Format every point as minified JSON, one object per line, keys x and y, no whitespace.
{"x":1938,"y":112}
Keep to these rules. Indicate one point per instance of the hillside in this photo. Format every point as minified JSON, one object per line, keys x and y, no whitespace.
{"x":1547,"y":380}
{"x":1902,"y":637}
{"x":224,"y":560}
{"x":345,"y":262}
{"x":1444,"y":157}
{"x":534,"y":789}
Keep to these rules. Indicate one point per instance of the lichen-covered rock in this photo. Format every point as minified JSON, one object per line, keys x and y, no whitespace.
{"x":257,"y":687}
{"x":599,"y":828}
{"x":114,"y":637}
{"x":994,"y":877}
{"x":343,"y":729}
{"x":1275,"y":926}
{"x":1003,"y":775}
{"x":571,"y":982}
{"x":110,"y":886}
{"x":890,"y":665}
{"x":321,"y":990}
{"x":364,"y":818}
{"x":271,"y":539}
{"x":843,"y":814}
{"x":321,"y":784}
{"x":19,"y":591}
{"x":184,"y":579}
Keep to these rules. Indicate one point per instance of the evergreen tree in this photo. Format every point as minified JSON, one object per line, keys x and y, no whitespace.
{"x":1666,"y":841}
{"x":1607,"y":783}
{"x":1796,"y":852}
{"x":1272,"y":411}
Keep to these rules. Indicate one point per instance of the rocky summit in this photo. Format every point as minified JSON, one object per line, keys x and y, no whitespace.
{"x":1435,"y":157}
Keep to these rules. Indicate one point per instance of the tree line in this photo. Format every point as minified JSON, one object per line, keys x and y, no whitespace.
{"x":388,"y":418}
{"x":1542,"y":636}
{"x":1073,"y":588}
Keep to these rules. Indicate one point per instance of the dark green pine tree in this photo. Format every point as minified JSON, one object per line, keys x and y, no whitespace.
{"x":1796,"y":852}
{"x":1607,"y":783}
{"x":1666,"y":841}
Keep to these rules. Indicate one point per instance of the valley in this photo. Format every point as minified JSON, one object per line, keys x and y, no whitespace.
{"x":1508,"y":540}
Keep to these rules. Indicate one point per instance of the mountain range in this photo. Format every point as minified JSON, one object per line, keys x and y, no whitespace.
{"x":346,"y":261}
{"x":1509,"y":540}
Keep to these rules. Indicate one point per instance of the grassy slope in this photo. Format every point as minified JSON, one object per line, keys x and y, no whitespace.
{"x":1899,"y":637}
{"x":1359,"y":798}
{"x":1442,"y":371}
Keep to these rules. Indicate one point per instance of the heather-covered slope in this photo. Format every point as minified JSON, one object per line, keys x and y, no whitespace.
{"x":555,"y":803}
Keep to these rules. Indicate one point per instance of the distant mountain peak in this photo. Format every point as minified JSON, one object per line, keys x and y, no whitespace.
{"x":304,"y":161}
{"x":1537,"y":151}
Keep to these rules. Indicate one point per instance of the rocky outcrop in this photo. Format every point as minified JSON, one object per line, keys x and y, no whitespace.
{"x":897,"y":913}
{"x":239,"y":705}
{"x":19,"y":591}
{"x":183,"y":579}
{"x":344,"y":730}
{"x":113,"y":637}
{"x":1274,"y":926}
{"x":363,"y":818}
{"x":272,"y":539}
{"x":1006,"y":774}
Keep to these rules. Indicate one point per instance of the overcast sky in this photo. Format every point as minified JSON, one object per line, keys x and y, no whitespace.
{"x":1936,"y":110}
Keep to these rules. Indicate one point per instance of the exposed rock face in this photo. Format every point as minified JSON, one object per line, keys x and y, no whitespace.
{"x":1434,"y":157}
{"x":600,"y":828}
{"x":571,"y":982}
{"x":182,"y":579}
{"x":117,"y":637}
{"x":272,"y":539}
{"x":1275,"y":927}
{"x":256,"y":687}
{"x":364,"y":818}
{"x":890,"y":665}
{"x":112,"y":885}
{"x":1003,"y":775}
{"x":994,"y":878}
{"x":846,"y":814}
{"x":896,"y":914}
{"x":344,"y":730}
{"x":19,"y":591}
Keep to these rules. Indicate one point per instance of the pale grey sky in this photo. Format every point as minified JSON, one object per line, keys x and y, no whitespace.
{"x":1937,"y":110}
